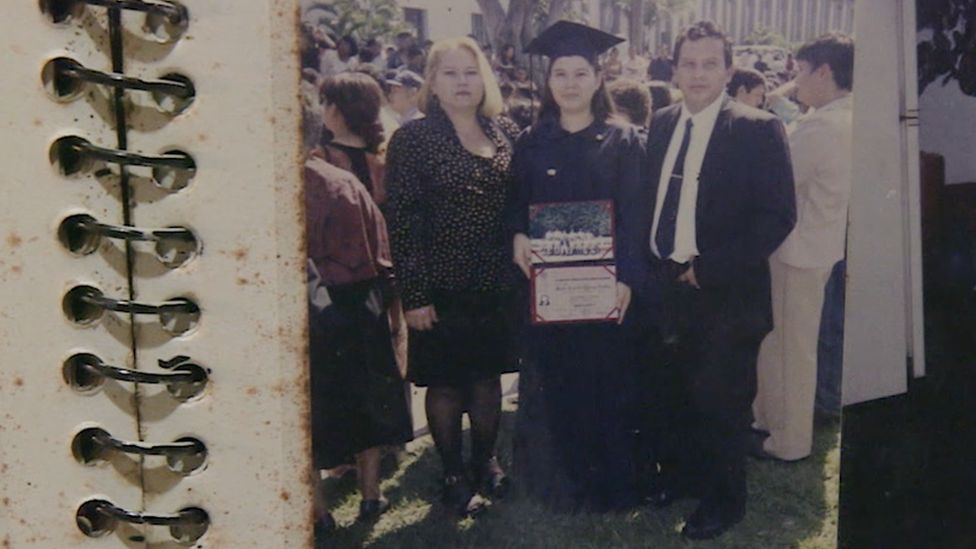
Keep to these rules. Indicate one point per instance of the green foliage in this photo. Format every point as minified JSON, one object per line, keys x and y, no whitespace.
{"x":763,"y":36}
{"x":362,"y":19}
{"x":950,"y":53}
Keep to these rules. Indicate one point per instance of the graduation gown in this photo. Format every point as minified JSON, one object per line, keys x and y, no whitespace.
{"x":576,"y":434}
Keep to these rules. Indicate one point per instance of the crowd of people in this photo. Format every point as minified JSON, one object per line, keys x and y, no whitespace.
{"x":420,"y":174}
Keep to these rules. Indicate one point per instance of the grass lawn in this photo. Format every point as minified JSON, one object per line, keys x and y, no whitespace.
{"x":790,"y":506}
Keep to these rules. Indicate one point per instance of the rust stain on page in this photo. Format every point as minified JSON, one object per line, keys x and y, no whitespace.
{"x":14,"y":240}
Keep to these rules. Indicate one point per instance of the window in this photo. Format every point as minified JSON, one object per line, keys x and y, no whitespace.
{"x":782,"y":23}
{"x":796,"y":26}
{"x":713,"y":10}
{"x":748,"y":17}
{"x":766,"y":14}
{"x":417,"y":18}
{"x":478,"y":28}
{"x":733,"y":25}
{"x":811,"y":21}
{"x":825,"y":6}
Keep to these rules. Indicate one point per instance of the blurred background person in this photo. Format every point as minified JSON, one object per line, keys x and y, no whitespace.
{"x":504,"y":63}
{"x":662,"y":95}
{"x":358,"y":392}
{"x":748,"y":86}
{"x":354,"y":136}
{"x":341,"y":59}
{"x":631,"y":100}
{"x":613,"y":67}
{"x":404,"y":95}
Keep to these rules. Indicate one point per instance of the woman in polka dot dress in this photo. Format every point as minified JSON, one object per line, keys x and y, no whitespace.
{"x":449,"y":178}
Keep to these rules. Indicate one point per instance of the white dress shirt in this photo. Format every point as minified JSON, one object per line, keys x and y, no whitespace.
{"x":820,"y":147}
{"x":685,"y":242}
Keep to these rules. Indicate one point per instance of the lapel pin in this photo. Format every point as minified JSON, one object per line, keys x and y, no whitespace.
{"x":551,"y":172}
{"x":599,"y":137}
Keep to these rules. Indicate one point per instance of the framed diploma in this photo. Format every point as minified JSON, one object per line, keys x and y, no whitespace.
{"x":577,"y":293}
{"x":574,"y":277}
{"x":569,"y":232}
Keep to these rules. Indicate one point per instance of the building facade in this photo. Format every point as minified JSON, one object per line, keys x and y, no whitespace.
{"x":795,"y":20}
{"x":436,"y":19}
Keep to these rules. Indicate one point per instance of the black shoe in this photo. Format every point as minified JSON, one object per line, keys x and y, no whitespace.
{"x":460,"y":498}
{"x":492,"y":479}
{"x":371,"y":509}
{"x":664,"y":491}
{"x":324,"y":525}
{"x":710,"y":521}
{"x":758,"y":451}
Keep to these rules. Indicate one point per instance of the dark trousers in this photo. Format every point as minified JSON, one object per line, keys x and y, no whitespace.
{"x":706,"y":382}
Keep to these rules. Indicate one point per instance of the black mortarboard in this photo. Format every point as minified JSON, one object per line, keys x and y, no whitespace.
{"x":565,"y":38}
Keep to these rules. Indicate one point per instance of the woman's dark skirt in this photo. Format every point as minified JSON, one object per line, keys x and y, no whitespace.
{"x":474,"y":340}
{"x":358,"y":395}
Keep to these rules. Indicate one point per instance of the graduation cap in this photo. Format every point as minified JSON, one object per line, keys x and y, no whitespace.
{"x":565,"y":38}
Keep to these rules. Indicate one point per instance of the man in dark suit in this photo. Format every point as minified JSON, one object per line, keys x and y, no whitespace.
{"x":721,"y":201}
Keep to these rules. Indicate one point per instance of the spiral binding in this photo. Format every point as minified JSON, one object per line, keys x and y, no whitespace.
{"x":86,"y":371}
{"x":85,"y":304}
{"x":97,"y":517}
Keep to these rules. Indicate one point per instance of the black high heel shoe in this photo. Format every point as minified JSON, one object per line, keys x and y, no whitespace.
{"x":324,"y":525}
{"x":371,"y":509}
{"x":492,"y":479}
{"x":460,"y":498}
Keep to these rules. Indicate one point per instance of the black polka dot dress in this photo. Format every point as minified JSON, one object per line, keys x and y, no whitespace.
{"x":452,"y":248}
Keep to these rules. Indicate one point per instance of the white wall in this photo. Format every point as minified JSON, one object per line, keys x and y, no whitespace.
{"x":947,"y":118}
{"x":445,"y":18}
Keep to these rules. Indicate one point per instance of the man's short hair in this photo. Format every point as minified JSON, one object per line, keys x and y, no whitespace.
{"x":750,"y":78}
{"x":698,"y":31}
{"x":834,"y":50}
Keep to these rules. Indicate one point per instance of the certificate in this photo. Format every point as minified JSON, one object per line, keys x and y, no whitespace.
{"x":566,"y":294}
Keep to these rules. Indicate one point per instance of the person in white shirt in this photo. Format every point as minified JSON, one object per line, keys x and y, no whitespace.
{"x":342,"y":59}
{"x":820,"y":145}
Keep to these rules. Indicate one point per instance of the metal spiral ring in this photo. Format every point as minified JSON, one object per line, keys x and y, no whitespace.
{"x":176,"y":13}
{"x":86,"y":148}
{"x":65,"y":67}
{"x":134,"y":307}
{"x":98,"y":517}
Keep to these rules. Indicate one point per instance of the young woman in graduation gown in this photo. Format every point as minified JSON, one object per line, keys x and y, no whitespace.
{"x":576,"y":437}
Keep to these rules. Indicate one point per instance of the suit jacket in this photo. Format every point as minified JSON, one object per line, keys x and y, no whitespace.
{"x":821,"y":149}
{"x":745,"y":209}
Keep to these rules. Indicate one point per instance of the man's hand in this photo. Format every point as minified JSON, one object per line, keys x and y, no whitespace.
{"x":623,"y":300}
{"x":522,"y":254}
{"x":689,"y":278}
{"x":422,"y":319}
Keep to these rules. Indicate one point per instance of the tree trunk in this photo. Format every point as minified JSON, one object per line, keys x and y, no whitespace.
{"x":557,"y":8}
{"x":635,"y":31}
{"x":495,"y":21}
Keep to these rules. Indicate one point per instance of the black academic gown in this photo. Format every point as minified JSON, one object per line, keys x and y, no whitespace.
{"x":576,"y":435}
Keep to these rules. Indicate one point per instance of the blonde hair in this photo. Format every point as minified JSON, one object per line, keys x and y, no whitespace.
{"x":491,"y":102}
